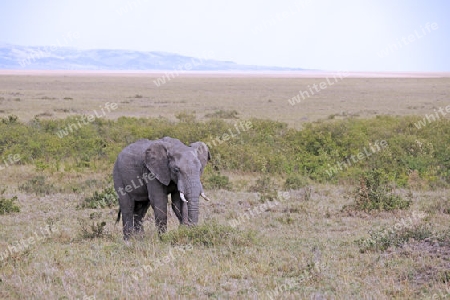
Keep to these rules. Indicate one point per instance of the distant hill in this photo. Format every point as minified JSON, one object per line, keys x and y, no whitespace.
{"x":13,"y":57}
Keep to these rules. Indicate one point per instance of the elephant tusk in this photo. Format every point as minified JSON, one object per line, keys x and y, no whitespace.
{"x":184,"y":214}
{"x":204,"y":197}
{"x":182,"y":197}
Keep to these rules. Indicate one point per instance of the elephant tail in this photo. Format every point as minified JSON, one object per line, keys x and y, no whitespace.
{"x":118,"y":216}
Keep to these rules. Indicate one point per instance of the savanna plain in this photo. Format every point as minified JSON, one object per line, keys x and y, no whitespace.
{"x":340,"y":193}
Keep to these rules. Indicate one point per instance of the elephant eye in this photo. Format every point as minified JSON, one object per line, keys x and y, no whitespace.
{"x":176,"y":169}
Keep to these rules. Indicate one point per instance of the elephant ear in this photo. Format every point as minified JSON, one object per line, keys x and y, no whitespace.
{"x":202,"y":152}
{"x":156,"y":160}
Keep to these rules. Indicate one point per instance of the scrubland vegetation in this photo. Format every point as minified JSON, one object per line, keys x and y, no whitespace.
{"x":413,"y":156}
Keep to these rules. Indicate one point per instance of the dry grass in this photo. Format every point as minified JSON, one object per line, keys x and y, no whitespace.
{"x":302,"y":246}
{"x":58,"y":96}
{"x":308,"y":246}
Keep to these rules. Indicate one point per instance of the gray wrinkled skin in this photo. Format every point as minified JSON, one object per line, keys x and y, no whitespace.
{"x":146,"y":171}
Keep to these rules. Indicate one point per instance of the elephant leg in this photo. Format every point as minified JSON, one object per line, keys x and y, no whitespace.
{"x":176,"y":205}
{"x":140,"y":209}
{"x":160,"y":209}
{"x":127,"y":208}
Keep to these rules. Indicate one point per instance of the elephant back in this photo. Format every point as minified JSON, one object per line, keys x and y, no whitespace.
{"x":133,"y":155}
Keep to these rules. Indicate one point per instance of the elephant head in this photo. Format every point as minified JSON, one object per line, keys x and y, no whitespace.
{"x":174,"y":163}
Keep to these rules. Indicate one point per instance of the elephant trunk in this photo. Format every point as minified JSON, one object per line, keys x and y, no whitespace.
{"x":193,"y":194}
{"x":193,"y":211}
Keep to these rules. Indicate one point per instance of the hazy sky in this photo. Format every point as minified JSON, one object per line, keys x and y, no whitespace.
{"x":354,"y":35}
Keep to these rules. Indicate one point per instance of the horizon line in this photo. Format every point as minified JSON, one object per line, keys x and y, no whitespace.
{"x":237,"y":73}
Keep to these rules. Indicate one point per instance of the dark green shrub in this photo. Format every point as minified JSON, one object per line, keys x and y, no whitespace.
{"x":217,"y":181}
{"x":8,"y":205}
{"x":375,"y":193}
{"x":295,"y":182}
{"x":107,"y":198}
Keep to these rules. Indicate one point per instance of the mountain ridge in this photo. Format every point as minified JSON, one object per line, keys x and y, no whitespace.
{"x":15,"y":57}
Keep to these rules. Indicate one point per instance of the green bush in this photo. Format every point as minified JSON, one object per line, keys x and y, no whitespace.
{"x":217,"y":181}
{"x":8,"y":205}
{"x":107,"y":198}
{"x":375,"y":193}
{"x":295,"y":182}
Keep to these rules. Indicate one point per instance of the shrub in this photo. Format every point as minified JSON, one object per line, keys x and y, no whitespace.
{"x":382,"y":239}
{"x":11,"y":119}
{"x":107,"y":198}
{"x":266,"y":147}
{"x":375,"y":193}
{"x":266,"y":188}
{"x":444,"y":237}
{"x":441,"y":205}
{"x":223,"y":114}
{"x":217,"y":181}
{"x":186,"y":117}
{"x":295,"y":182}
{"x":38,"y":186}
{"x":8,"y":205}
{"x":97,"y":229}
{"x":209,"y":235}
{"x":263,"y":184}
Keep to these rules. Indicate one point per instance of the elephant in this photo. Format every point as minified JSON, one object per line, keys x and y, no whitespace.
{"x":146,"y":171}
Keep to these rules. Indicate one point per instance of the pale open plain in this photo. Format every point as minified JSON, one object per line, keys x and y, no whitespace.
{"x":59,"y":94}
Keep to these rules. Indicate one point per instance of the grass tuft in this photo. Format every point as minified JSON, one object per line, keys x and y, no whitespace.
{"x":8,"y":205}
{"x":38,"y":186}
{"x":210,"y":235}
{"x":382,"y":239}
